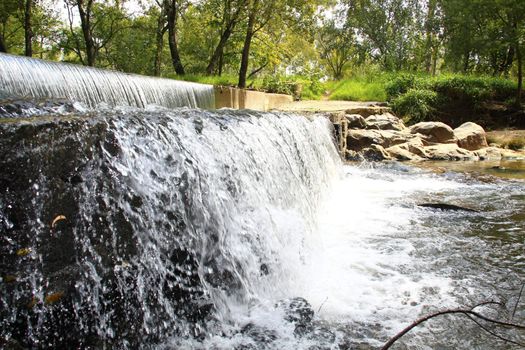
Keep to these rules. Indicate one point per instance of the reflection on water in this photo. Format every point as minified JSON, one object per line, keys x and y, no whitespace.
{"x":505,"y":168}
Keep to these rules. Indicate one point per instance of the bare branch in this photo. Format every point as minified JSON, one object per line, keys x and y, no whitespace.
{"x":468,"y":312}
{"x":517,"y":302}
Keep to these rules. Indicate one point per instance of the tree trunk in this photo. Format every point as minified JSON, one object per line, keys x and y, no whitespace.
{"x":159,"y":42}
{"x":3,"y":48}
{"x":435,"y":52}
{"x":429,"y":34}
{"x":520,"y":74}
{"x":243,"y":71}
{"x":171,"y":12}
{"x":217,"y":54}
{"x":466,"y":61}
{"x":221,"y":63}
{"x":85,"y":23}
{"x":28,"y":31}
{"x":507,"y":64}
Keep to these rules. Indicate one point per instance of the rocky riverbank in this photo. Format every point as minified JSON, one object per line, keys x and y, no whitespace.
{"x":372,"y":132}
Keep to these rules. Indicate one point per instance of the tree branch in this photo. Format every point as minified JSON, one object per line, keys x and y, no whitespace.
{"x":468,"y":312}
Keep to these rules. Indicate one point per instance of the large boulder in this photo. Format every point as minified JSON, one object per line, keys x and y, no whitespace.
{"x":449,"y":151}
{"x":471,"y":136}
{"x":411,"y":150}
{"x":402,"y":153}
{"x":385,"y":121}
{"x":434,"y":132}
{"x":358,"y":139}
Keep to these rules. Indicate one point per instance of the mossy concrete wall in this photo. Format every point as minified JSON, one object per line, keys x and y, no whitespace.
{"x":229,"y":97}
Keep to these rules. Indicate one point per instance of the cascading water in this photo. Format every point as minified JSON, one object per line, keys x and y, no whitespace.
{"x":38,"y":79}
{"x":165,"y":218}
{"x":157,"y":228}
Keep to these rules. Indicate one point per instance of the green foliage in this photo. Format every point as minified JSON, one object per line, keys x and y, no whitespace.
{"x":400,"y":84}
{"x":516,"y":144}
{"x":415,"y":105}
{"x":278,"y":84}
{"x":418,"y":97}
{"x":223,"y":80}
{"x":357,"y":90}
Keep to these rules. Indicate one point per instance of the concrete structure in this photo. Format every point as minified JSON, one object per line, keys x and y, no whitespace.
{"x":229,"y":97}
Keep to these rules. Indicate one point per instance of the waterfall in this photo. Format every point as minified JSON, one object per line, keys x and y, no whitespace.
{"x":22,"y":77}
{"x":178,"y":228}
{"x":126,"y":228}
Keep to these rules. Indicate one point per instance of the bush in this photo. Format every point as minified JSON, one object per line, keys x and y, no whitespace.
{"x":415,"y":105}
{"x":516,"y":144}
{"x":278,"y":84}
{"x":400,"y":85}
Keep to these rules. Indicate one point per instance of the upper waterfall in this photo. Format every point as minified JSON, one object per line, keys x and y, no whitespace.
{"x":34,"y":78}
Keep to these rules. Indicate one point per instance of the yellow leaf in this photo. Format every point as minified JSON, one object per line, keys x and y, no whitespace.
{"x":23,"y":251}
{"x":9,"y":279}
{"x":53,"y":297}
{"x":57,"y":219}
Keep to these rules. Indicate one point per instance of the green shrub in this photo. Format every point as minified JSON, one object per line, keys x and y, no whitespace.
{"x":415,"y":105}
{"x":278,"y":84}
{"x":399,"y":85}
{"x":516,"y":144}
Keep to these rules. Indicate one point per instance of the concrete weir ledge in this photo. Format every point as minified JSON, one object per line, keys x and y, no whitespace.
{"x":230,"y":97}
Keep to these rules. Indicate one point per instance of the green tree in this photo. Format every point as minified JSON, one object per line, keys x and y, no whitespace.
{"x":388,"y":29}
{"x":226,"y":15}
{"x":99,"y":23}
{"x":337,"y":47}
{"x":259,"y":14}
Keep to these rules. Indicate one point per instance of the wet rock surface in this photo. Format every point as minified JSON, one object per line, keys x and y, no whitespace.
{"x":71,"y":265}
{"x":23,"y":108}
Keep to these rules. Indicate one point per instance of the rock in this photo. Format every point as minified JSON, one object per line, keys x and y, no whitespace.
{"x":355,"y":121}
{"x":434,"y":132}
{"x":376,"y":153}
{"x":353,"y":156}
{"x":358,"y":139}
{"x":385,"y":121}
{"x":336,"y":117}
{"x":261,"y":335}
{"x":445,"y":206}
{"x":402,"y":152}
{"x":471,"y":136}
{"x":449,"y":151}
{"x":366,"y":111}
{"x":390,"y":138}
{"x":488,"y":153}
{"x":296,"y":310}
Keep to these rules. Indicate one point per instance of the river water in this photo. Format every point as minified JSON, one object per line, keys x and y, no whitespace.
{"x":378,"y":261}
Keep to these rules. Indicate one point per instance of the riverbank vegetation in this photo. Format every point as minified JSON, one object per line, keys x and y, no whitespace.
{"x":423,"y":56}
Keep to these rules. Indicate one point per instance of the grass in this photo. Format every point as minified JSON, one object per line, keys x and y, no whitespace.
{"x":511,"y":139}
{"x":357,"y":90}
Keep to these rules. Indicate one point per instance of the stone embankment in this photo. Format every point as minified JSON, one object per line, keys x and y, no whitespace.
{"x":374,"y":133}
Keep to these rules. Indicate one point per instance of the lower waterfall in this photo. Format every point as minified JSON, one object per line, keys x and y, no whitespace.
{"x":128,"y":227}
{"x":162,"y":228}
